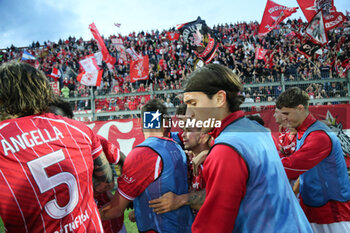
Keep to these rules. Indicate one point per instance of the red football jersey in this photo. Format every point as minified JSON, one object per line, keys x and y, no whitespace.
{"x":113,"y":156}
{"x":142,"y":166}
{"x":46,"y":165}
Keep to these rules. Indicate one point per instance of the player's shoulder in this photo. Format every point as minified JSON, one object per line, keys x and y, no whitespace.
{"x":61,"y":119}
{"x":11,"y":123}
{"x":141,"y":153}
{"x":64,"y":121}
{"x":6,"y":123}
{"x":139,"y":150}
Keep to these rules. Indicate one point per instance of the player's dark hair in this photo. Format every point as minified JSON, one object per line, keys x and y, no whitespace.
{"x":292,"y":97}
{"x":24,"y":90}
{"x":214,"y":77}
{"x":181,"y":109}
{"x":153,"y":106}
{"x":256,"y":118}
{"x":61,"y":107}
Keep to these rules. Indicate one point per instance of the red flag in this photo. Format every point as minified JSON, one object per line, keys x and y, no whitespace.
{"x":316,"y":29}
{"x":332,"y":17}
{"x":92,"y":74}
{"x":55,"y":87}
{"x":55,"y":74}
{"x":90,"y":79}
{"x":119,"y":45}
{"x":134,"y":56}
{"x":139,"y":69}
{"x":273,"y":15}
{"x":260,"y":54}
{"x":105,"y":54}
{"x":173,"y":36}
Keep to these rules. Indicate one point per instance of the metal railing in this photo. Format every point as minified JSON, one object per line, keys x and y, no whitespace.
{"x":92,"y":114}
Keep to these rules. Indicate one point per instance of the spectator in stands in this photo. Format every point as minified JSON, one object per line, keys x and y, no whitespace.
{"x":248,"y":99}
{"x":168,"y":103}
{"x":71,"y":84}
{"x":65,"y":92}
{"x":236,"y":50}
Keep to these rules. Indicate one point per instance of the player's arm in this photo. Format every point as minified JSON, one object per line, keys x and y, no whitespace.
{"x":122,"y":158}
{"x":171,"y":201}
{"x":114,"y":208}
{"x":222,"y":203}
{"x":198,"y":160}
{"x":138,"y":174}
{"x":102,"y":174}
{"x":317,"y":146}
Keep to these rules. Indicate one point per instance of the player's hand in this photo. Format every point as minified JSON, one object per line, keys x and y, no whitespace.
{"x":198,"y":160}
{"x":296,"y":187}
{"x":167,"y":202}
{"x":131,"y":216}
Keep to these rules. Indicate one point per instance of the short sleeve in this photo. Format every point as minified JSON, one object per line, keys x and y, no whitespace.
{"x":141,"y":167}
{"x":96,"y":147}
{"x":111,"y":151}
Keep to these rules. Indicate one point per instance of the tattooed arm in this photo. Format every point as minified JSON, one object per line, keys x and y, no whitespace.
{"x":102,"y":175}
{"x":196,"y":199}
{"x":170,"y":201}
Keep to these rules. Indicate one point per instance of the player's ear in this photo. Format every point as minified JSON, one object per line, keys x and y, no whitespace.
{"x":220,"y":98}
{"x":300,"y":107}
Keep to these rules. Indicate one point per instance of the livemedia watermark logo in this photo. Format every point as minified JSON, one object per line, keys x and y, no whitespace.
{"x":153,"y":120}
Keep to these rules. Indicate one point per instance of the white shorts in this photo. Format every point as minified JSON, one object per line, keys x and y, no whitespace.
{"x":337,"y":227}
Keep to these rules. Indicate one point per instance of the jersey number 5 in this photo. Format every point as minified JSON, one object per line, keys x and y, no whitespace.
{"x":45,"y":183}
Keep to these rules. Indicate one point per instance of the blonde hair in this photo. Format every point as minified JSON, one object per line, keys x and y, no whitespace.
{"x":24,"y":90}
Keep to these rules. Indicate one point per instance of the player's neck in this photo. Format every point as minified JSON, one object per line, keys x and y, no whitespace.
{"x":198,"y":149}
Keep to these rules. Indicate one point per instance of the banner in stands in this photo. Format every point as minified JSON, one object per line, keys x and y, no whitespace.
{"x":308,"y":48}
{"x":55,"y":74}
{"x":128,"y":133}
{"x":274,"y":14}
{"x":260,"y":54}
{"x":200,"y":38}
{"x":101,"y":44}
{"x":139,"y":69}
{"x":55,"y":87}
{"x":173,"y":36}
{"x":119,"y":45}
{"x":316,"y":29}
{"x":92,"y":74}
{"x":332,"y":17}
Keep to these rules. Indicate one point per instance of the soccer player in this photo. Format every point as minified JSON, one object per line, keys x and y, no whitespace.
{"x":46,"y":161}
{"x":156,"y":166}
{"x":319,"y":161}
{"x":195,"y":142}
{"x":246,"y":187}
{"x":113,"y":155}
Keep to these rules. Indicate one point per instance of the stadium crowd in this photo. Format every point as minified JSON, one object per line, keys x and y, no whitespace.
{"x":171,"y":60}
